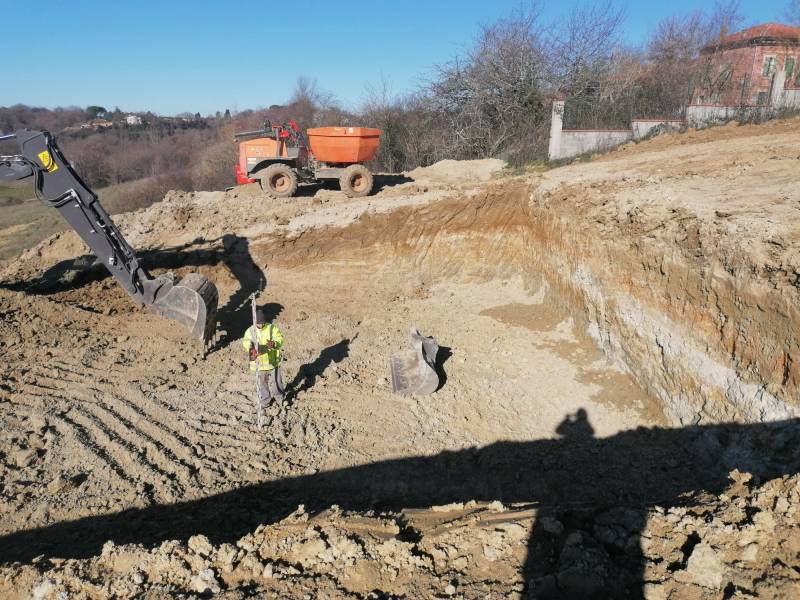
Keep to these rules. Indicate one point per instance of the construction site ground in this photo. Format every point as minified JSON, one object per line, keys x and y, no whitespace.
{"x":617,"y":415}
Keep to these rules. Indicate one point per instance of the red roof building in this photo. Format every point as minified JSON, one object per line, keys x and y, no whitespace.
{"x":740,"y":69}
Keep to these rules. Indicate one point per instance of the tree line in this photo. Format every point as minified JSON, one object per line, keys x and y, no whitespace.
{"x":495,"y":98}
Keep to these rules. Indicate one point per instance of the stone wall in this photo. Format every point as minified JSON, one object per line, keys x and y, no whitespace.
{"x":566,"y":143}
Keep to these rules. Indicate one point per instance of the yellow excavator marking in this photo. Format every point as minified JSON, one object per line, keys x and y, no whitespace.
{"x":47,"y":161}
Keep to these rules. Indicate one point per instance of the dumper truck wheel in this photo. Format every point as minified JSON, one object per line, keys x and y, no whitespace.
{"x":356,"y":181}
{"x":279,"y":181}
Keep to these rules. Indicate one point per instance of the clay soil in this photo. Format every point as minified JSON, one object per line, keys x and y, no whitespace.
{"x":562,"y":456}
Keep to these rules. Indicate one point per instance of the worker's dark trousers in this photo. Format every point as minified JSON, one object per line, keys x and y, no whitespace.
{"x":271,"y":386}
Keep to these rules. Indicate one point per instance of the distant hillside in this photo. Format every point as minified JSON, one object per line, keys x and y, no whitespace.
{"x":108,"y":148}
{"x":185,"y":151}
{"x":129,"y":159}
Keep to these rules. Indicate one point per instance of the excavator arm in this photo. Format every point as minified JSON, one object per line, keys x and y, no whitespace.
{"x":190,"y":300}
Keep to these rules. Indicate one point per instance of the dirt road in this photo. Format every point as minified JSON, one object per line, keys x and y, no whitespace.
{"x":597,"y":321}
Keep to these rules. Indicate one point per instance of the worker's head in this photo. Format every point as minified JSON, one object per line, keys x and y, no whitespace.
{"x":261,"y":318}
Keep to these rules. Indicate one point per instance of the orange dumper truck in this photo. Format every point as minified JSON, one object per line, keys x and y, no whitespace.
{"x":281,"y":156}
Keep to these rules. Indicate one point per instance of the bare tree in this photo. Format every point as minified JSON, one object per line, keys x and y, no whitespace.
{"x":385,"y":111}
{"x":588,"y":64}
{"x":677,"y":38}
{"x":725,"y":18}
{"x":792,"y":12}
{"x":680,"y":38}
{"x":583,"y":46}
{"x":674,"y":71}
{"x":311,"y":106}
{"x":490,"y":98}
{"x":413,"y":133}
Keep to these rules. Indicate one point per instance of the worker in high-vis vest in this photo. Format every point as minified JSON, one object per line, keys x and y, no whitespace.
{"x":266,"y":358}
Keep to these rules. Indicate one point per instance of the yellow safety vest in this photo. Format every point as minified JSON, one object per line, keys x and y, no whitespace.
{"x":268,"y":359}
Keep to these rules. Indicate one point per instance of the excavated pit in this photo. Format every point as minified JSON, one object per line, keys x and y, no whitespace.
{"x":706,"y":345}
{"x":598,"y":392}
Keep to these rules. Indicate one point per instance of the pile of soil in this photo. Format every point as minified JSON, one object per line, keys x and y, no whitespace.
{"x":459,"y":171}
{"x":740,"y":544}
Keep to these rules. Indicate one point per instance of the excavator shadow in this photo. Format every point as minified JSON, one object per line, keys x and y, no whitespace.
{"x":230,"y":250}
{"x":592,"y":498}
{"x":78,"y":272}
{"x":235,"y":316}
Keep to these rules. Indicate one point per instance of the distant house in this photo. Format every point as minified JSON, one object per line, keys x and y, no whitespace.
{"x":750,"y":67}
{"x":133,"y":120}
{"x":97,"y":124}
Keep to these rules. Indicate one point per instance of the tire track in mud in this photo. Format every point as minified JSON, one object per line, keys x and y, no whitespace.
{"x":163,"y":457}
{"x":100,"y":433}
{"x":167,"y":446}
{"x":213,"y":458}
{"x":172,"y":442}
{"x":86,"y":442}
{"x":125,"y":454}
{"x":57,"y":406}
{"x":159,"y":454}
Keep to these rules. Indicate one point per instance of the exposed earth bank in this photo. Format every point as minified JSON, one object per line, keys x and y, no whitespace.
{"x":617,"y":333}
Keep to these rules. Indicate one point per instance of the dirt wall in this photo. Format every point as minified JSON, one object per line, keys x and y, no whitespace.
{"x":710,"y":341}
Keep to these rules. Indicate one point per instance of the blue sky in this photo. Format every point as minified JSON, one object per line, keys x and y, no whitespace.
{"x":203,"y":55}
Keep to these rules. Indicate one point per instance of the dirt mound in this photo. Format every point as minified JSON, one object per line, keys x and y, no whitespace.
{"x":457,"y":172}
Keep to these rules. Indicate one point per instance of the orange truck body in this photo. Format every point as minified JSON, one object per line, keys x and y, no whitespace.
{"x":344,"y":144}
{"x":259,"y":149}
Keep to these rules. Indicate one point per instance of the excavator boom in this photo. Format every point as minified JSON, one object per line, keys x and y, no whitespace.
{"x":191,"y":300}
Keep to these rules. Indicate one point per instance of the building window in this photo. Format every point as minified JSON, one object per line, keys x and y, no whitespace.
{"x":769,"y":66}
{"x":789,"y":66}
{"x":761,"y":98}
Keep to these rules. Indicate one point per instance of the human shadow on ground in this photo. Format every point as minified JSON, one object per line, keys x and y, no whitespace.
{"x":272,"y":310}
{"x":577,"y":482}
{"x":308,"y":373}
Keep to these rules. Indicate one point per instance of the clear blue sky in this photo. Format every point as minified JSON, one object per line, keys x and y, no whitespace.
{"x":177,"y":55}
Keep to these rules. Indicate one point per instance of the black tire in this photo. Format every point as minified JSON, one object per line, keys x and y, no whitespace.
{"x":356,"y":181}
{"x":278,"y":180}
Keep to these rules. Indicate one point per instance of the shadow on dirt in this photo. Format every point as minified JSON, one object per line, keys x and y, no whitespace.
{"x":442,"y":356}
{"x":308,"y":190}
{"x":576,"y":426}
{"x":233,"y":318}
{"x":387,"y":180}
{"x":577,"y":483}
{"x":77,"y":272}
{"x":381,"y":181}
{"x":236,"y":316}
{"x":272,"y":310}
{"x":307,"y":374}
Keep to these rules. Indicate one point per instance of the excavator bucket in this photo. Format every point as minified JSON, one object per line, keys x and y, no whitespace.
{"x":192,"y":302}
{"x":414,"y":370}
